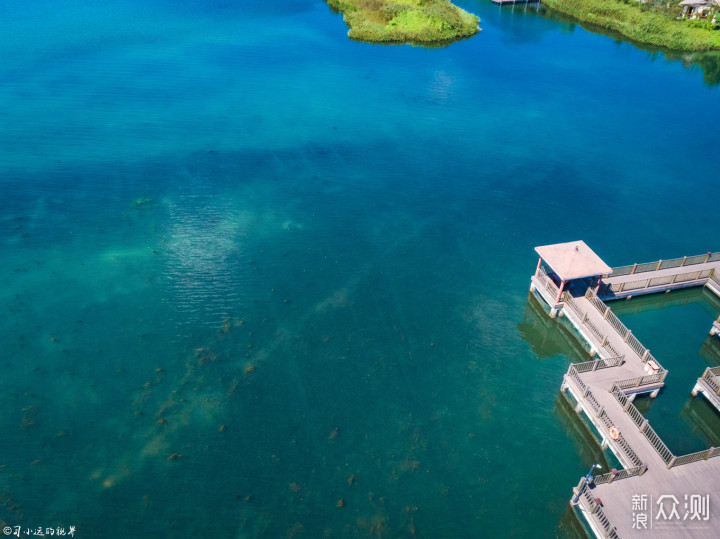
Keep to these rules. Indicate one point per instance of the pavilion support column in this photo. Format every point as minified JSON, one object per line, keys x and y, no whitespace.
{"x":537,"y":270}
{"x":597,"y":288}
{"x":560,"y":292}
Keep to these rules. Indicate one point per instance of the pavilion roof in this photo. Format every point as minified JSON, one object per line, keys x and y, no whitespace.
{"x":573,"y":260}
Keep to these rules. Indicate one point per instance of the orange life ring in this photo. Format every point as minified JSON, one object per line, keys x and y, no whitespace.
{"x":614,"y":433}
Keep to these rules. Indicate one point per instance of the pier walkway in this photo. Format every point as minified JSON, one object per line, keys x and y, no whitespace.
{"x":662,"y":276}
{"x":513,"y":2}
{"x":654,"y":481}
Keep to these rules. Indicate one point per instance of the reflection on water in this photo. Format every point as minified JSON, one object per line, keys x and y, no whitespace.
{"x":570,"y":526}
{"x":549,"y":337}
{"x":586,"y":445}
{"x":654,"y":302}
{"x":707,"y":61}
{"x":710,"y":351}
{"x":703,"y":419}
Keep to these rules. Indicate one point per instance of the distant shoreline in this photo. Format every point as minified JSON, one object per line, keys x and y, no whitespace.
{"x":650,"y":23}
{"x":406,"y":21}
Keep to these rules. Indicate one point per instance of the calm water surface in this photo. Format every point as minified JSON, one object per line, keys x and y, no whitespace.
{"x":263,"y":281}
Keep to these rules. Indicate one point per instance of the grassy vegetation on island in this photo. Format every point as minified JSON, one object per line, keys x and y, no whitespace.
{"x":393,"y":21}
{"x":654,"y":22}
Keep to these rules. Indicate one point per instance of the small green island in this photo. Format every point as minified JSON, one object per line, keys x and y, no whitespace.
{"x":405,"y":21}
{"x":655,"y":22}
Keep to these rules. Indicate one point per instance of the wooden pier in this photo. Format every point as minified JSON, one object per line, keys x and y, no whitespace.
{"x":513,"y":2}
{"x":715,"y":329}
{"x":637,"y":499}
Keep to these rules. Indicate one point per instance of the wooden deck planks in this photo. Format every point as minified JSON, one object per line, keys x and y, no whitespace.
{"x":697,"y":478}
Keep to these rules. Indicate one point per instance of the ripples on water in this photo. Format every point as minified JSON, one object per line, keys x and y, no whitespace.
{"x":260,"y":280}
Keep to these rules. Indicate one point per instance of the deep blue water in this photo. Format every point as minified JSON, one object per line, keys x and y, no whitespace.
{"x":252,"y":268}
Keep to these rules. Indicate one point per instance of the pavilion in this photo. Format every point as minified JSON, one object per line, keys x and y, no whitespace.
{"x":571,"y":261}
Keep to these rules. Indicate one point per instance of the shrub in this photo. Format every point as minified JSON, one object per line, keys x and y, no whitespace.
{"x":652,"y":23}
{"x":405,"y":20}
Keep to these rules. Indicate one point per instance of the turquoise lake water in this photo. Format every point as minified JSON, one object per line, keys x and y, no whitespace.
{"x":263,"y":281}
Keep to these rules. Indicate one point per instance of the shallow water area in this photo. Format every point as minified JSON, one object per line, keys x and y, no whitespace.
{"x":261,"y":280}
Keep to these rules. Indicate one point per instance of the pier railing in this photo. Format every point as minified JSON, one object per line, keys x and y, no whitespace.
{"x":596,"y":364}
{"x":660,"y":281}
{"x":602,"y":416}
{"x":711,"y":376}
{"x":642,"y":424}
{"x":607,"y":529}
{"x":657,"y":444}
{"x":714,"y":277}
{"x":601,"y":338}
{"x":664,"y":264}
{"x":670,"y":459}
{"x":547,"y":282}
{"x":695,"y":457}
{"x":627,"y":336}
{"x":619,"y":474}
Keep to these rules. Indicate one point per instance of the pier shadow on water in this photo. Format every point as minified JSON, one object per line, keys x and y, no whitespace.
{"x":549,"y":337}
{"x":585,"y":443}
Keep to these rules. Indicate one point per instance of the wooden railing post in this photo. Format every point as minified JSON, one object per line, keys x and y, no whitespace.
{"x":658,"y":265}
{"x":632,"y":271}
{"x":627,"y":335}
{"x":683,"y":262}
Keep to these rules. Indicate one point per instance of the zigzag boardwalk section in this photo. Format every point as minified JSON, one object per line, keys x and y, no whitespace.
{"x":656,"y":493}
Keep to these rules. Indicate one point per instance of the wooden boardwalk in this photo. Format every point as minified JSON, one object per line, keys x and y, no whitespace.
{"x":512,"y":2}
{"x":603,"y":389}
{"x":661,"y":276}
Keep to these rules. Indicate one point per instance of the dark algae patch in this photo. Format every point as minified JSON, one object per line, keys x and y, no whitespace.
{"x":653,"y":22}
{"x":406,"y":21}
